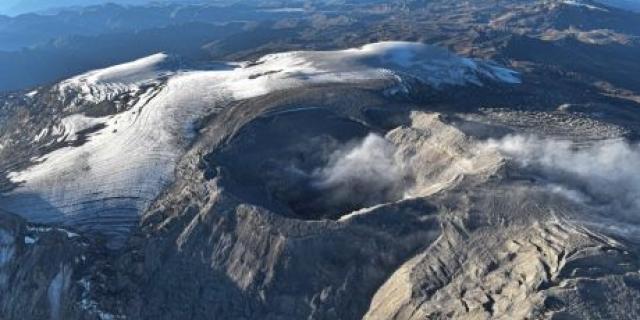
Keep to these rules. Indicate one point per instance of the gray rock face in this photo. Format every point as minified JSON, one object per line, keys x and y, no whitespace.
{"x":36,"y":270}
{"x":298,"y":188}
{"x":481,"y":240}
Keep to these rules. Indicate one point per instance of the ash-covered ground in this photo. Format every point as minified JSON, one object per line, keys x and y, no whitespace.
{"x":403,"y":160}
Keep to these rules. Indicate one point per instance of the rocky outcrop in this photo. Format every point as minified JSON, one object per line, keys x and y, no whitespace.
{"x":392,"y":181}
{"x":38,"y":270}
{"x":511,"y":272}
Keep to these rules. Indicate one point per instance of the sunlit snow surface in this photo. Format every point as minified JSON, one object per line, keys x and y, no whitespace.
{"x":104,"y":184}
{"x":579,"y":3}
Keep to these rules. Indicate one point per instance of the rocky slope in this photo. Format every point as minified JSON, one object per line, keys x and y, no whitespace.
{"x":395,"y":180}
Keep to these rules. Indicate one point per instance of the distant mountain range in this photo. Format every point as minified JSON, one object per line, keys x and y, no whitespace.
{"x":624,"y":4}
{"x":337,"y":159}
{"x":37,"y":49}
{"x":15,"y":7}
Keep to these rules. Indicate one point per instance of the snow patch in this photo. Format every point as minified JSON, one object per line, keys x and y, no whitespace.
{"x":104,"y":184}
{"x":70,"y":126}
{"x":577,"y":3}
{"x":49,"y":229}
{"x":284,"y":10}
{"x":106,"y":84}
{"x":127,"y":73}
{"x":30,"y":240}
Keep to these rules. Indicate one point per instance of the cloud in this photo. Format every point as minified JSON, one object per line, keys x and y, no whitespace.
{"x":365,"y":173}
{"x":603,"y":173}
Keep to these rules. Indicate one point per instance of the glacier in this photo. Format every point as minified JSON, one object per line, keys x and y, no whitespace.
{"x":104,"y":184}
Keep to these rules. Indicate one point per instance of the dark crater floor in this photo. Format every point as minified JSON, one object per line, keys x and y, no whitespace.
{"x":275,"y":161}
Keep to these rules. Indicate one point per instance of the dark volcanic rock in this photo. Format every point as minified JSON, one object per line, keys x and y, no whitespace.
{"x":397,"y":187}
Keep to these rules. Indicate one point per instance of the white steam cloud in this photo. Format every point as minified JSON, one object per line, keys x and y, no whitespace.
{"x":366,"y":173}
{"x":605,"y":173}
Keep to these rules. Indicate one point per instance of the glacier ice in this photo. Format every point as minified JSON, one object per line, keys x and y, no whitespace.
{"x":104,"y":184}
